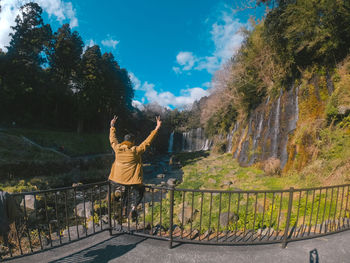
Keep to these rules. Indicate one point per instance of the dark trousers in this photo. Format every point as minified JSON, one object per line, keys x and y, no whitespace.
{"x":131,"y":195}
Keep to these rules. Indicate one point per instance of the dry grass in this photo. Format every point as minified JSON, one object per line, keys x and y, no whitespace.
{"x":272,"y":166}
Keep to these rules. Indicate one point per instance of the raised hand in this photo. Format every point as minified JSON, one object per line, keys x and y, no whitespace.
{"x":159,"y":122}
{"x":114,"y":120}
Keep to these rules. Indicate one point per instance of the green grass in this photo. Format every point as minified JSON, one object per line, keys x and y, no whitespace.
{"x":200,"y":171}
{"x":14,"y":149}
{"x":50,"y":182}
{"x":215,"y":171}
{"x":74,"y":144}
{"x":331,"y":163}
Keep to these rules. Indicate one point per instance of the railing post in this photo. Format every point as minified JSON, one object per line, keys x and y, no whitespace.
{"x":171,"y":216}
{"x":290,"y":206}
{"x":109,"y":209}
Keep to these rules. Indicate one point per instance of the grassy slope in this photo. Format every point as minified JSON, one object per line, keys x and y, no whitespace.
{"x":74,"y":144}
{"x":201,"y":171}
{"x":50,"y":182}
{"x":14,"y":149}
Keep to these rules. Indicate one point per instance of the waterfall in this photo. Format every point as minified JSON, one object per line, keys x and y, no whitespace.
{"x":239,"y":142}
{"x":229,"y":141}
{"x":296,"y":105}
{"x":188,"y":141}
{"x":199,"y":144}
{"x":258,"y":131}
{"x":171,"y":143}
{"x":207,"y":145}
{"x":230,"y":137}
{"x":194,"y":140}
{"x":260,"y":125}
{"x":183,"y":141}
{"x":276,"y":126}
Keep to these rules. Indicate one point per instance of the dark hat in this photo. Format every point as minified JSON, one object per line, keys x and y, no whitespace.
{"x":129,"y":137}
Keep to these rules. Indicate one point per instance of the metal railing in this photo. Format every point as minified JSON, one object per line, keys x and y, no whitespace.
{"x":243,"y":217}
{"x":59,"y":216}
{"x":54,"y":217}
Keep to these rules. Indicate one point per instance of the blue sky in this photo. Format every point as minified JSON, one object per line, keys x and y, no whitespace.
{"x":170,"y":48}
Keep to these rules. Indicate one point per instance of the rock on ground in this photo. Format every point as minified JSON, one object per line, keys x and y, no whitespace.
{"x":30,"y":202}
{"x":226,"y":218}
{"x":88,"y":209}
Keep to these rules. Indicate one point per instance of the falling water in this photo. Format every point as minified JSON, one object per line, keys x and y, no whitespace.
{"x":230,"y":137}
{"x":184,"y":134}
{"x":171,"y":143}
{"x":260,"y":126}
{"x":199,"y":142}
{"x":240,"y":139}
{"x":194,"y":140}
{"x":207,"y":145}
{"x":276,"y":126}
{"x":296,"y":104}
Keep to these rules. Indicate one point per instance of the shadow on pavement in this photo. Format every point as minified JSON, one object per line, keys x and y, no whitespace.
{"x":101,"y":254}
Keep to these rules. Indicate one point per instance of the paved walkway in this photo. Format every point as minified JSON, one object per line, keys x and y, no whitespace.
{"x":125,"y":248}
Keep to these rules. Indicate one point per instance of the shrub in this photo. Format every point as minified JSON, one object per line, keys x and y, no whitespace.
{"x":219,"y":147}
{"x":272,"y":166}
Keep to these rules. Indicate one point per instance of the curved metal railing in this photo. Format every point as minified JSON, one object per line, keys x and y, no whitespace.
{"x":54,"y":217}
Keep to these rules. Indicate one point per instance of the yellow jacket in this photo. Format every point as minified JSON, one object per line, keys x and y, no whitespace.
{"x":127,"y":167}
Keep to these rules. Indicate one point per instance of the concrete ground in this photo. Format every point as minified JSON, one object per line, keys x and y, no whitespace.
{"x":127,"y":248}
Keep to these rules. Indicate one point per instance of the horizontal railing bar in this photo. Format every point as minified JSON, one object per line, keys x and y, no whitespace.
{"x":227,"y":191}
{"x":225,"y":243}
{"x":83,"y":186}
{"x":259,"y":191}
{"x":321,"y":187}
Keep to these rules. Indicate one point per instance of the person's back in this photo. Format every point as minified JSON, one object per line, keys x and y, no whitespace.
{"x":127,"y":170}
{"x":127,"y":167}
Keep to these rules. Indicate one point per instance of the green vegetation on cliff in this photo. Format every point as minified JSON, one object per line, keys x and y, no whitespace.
{"x":301,"y":47}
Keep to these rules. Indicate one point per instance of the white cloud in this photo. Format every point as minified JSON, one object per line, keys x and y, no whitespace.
{"x":54,"y":8}
{"x":137,"y":104}
{"x":207,"y":84}
{"x":109,"y":42}
{"x":226,"y":37}
{"x":166,"y":98}
{"x":60,"y":9}
{"x":135,"y":81}
{"x":211,"y":64}
{"x":186,"y":60}
{"x":88,"y":43}
{"x":177,"y":70}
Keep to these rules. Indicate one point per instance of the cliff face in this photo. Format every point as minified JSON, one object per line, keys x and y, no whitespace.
{"x":305,"y":126}
{"x":265,"y":133}
{"x":280,"y":128}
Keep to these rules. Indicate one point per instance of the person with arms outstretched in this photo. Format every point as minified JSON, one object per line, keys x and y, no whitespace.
{"x":126,"y":171}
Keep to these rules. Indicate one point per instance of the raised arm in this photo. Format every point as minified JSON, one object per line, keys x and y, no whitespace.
{"x":146,"y":143}
{"x":112,"y":138}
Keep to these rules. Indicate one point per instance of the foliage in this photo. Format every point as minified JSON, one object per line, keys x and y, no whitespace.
{"x":50,"y":182}
{"x":47,"y":80}
{"x":253,"y":211}
{"x":309,"y":32}
{"x":294,"y":37}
